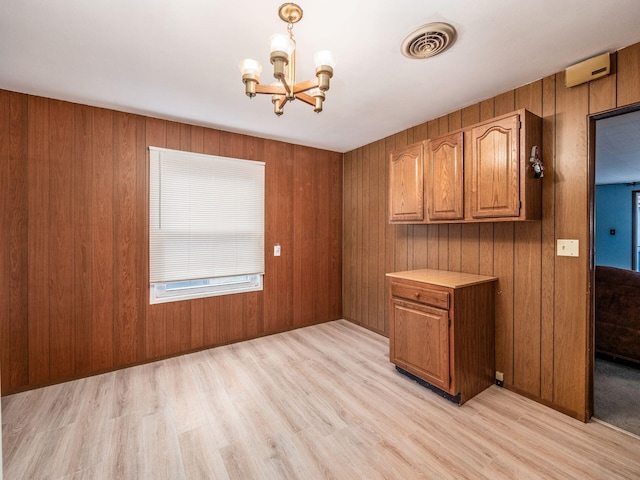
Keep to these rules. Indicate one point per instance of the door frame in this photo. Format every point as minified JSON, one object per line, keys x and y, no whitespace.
{"x":591,"y":337}
{"x":635,"y":196}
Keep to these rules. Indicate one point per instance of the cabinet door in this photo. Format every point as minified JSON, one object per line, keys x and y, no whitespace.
{"x":444,"y":177}
{"x":420,"y":341}
{"x":406,"y":184}
{"x":495,"y":188}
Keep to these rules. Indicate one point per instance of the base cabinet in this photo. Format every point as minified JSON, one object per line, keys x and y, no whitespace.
{"x":442,"y":329}
{"x":421,"y":341}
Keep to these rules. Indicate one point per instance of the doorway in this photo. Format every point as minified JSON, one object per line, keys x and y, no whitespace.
{"x":615,"y":239}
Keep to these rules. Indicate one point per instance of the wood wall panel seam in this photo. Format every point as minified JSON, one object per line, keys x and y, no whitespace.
{"x":548,"y":239}
{"x":16,"y":228}
{"x":82,"y":232}
{"x":102,"y":270}
{"x":569,"y":380}
{"x":38,"y":233}
{"x":627,"y":75}
{"x":62,"y":240}
{"x":527,"y":288}
{"x":5,"y":242}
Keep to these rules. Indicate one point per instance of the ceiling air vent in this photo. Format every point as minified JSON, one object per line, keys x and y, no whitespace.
{"x":428,"y":40}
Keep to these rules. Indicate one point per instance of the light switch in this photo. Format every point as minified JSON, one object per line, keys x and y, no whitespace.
{"x":568,"y":248}
{"x":276,"y":250}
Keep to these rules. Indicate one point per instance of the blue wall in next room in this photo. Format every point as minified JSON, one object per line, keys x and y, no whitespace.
{"x":614,"y":211}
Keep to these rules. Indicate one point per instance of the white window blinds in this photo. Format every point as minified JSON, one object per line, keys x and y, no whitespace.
{"x":206,"y":216}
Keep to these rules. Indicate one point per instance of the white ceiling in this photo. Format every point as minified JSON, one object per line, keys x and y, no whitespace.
{"x":618,"y":149}
{"x":178,"y":60}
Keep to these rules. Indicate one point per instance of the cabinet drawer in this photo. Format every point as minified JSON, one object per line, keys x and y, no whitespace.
{"x":428,"y":296}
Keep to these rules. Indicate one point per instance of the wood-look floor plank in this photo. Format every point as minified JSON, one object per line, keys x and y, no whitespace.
{"x":318,"y":402}
{"x":201,"y":454}
{"x":160,"y":444}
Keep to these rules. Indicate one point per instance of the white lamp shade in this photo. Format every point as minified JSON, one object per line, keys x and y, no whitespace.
{"x":324,"y":57}
{"x":281,"y":43}
{"x":250,"y":67}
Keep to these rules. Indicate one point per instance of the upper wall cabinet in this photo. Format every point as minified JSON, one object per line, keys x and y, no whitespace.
{"x":406,"y":185}
{"x":478,"y":174}
{"x":444,"y":179}
{"x":503,"y":184}
{"x":495,"y":187}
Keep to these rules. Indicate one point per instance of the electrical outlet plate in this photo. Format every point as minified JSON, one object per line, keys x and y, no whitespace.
{"x":276,"y":250}
{"x":568,"y":248}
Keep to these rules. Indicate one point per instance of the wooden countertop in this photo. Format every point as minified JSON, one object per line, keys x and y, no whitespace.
{"x":443,"y":278}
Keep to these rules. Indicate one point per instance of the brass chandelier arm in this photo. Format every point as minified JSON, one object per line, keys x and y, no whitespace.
{"x":304,"y":86}
{"x":282,"y":90}
{"x":306,"y":99}
{"x":287,"y":87}
{"x":282,"y":102}
{"x":270,"y":89}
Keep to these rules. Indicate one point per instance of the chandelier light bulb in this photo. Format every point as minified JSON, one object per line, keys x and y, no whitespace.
{"x":324,"y":57}
{"x":281,"y":43}
{"x":281,"y":50}
{"x":250,"y":67}
{"x":251,"y":71}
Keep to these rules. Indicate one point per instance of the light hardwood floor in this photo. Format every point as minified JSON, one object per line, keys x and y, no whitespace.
{"x":321,"y":402}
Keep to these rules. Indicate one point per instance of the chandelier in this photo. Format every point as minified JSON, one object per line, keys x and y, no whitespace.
{"x":283,"y":59}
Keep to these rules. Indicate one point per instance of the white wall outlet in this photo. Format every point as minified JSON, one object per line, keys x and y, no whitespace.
{"x":276,"y":250}
{"x":568,"y":248}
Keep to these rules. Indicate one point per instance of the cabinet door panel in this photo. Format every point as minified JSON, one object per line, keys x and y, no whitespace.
{"x":445,"y":179}
{"x":495,"y":166}
{"x":406,"y":184}
{"x":421,"y":342}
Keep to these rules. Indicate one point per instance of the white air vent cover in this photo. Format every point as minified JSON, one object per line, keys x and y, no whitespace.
{"x":428,"y":40}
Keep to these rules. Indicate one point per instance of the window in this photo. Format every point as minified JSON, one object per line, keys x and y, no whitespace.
{"x":206,"y":225}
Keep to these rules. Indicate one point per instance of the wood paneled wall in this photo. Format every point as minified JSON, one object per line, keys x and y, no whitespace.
{"x":74,"y":242}
{"x":542,"y":301}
